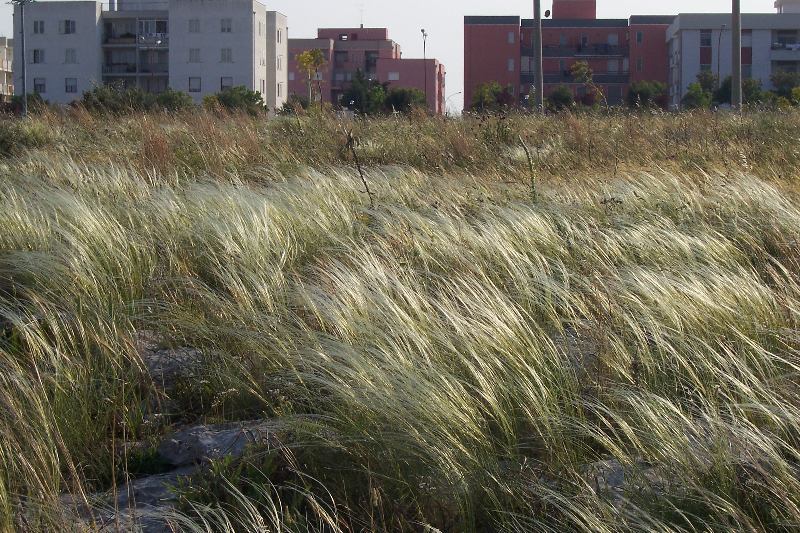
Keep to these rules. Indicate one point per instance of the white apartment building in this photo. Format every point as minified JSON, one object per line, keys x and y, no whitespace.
{"x":703,"y":41}
{"x":6,"y":69}
{"x":196,"y":46}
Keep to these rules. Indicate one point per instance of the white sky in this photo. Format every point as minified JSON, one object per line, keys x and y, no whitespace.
{"x":443,"y":19}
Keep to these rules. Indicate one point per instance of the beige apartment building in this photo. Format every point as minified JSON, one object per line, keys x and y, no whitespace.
{"x":6,"y":69}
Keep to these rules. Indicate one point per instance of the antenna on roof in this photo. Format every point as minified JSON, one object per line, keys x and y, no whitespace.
{"x":361,"y":10}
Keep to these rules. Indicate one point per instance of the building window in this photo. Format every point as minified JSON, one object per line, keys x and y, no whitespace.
{"x":280,"y":90}
{"x":38,"y":26}
{"x":70,"y":56}
{"x":639,"y":37}
{"x":280,"y":36}
{"x":747,"y":71}
{"x":613,"y":66}
{"x":194,"y":55}
{"x":226,"y":26}
{"x":512,"y":37}
{"x":66,"y":27}
{"x":344,"y":37}
{"x":279,"y":63}
{"x":705,"y":67}
{"x":562,"y":40}
{"x":705,"y":38}
{"x":39,"y":85}
{"x":194,"y":85}
{"x":291,"y":76}
{"x":340,"y":58}
{"x":38,"y":56}
{"x":259,"y":28}
{"x":225,"y":83}
{"x":71,"y":85}
{"x":394,"y":76}
{"x":639,"y":64}
{"x":226,"y":55}
{"x":194,"y":25}
{"x":511,"y":65}
{"x":613,"y":39}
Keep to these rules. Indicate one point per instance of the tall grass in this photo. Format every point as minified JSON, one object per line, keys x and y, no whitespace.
{"x":458,"y":358}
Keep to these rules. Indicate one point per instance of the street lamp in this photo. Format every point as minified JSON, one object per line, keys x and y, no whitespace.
{"x":736,"y":81}
{"x":21,"y":4}
{"x":719,"y":50}
{"x":446,"y":100}
{"x":425,"y":62}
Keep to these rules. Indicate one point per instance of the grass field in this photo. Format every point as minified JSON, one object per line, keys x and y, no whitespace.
{"x":601,"y":337}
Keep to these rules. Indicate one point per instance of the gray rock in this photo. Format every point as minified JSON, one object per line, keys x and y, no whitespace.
{"x":202,"y":444}
{"x":167,"y":365}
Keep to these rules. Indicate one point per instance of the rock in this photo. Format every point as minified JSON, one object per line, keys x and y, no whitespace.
{"x":202,"y":444}
{"x":167,"y":366}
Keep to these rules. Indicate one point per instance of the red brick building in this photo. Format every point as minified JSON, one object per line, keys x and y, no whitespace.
{"x":348,"y":50}
{"x":619,"y":51}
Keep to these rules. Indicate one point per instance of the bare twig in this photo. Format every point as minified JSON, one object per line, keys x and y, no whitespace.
{"x":534,"y":195}
{"x":351,"y":144}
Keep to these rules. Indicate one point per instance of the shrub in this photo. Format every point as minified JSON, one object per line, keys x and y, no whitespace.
{"x":118,"y":99}
{"x":491,"y":97}
{"x":236,"y":99}
{"x":751,"y":91}
{"x":404,"y":100}
{"x":17,"y":135}
{"x":646,"y":94}
{"x":696,"y":97}
{"x":36,"y":103}
{"x":561,"y":98}
{"x":171,"y":100}
{"x":785,"y":82}
{"x":294,"y":104}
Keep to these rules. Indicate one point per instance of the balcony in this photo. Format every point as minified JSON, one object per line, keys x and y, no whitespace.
{"x":154,"y":68}
{"x":148,"y":40}
{"x":120,"y":68}
{"x":130,"y":5}
{"x":785,"y":51}
{"x":587,"y":50}
{"x":600,"y":78}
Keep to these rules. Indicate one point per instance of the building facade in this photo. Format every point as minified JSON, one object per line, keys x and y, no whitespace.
{"x":196,"y":46}
{"x":6,"y":69}
{"x":703,"y":42}
{"x":671,"y":49}
{"x":619,"y":51}
{"x":369,"y":50}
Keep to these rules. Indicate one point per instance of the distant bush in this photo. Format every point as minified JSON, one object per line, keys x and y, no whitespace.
{"x":36,"y":104}
{"x":647,"y":94}
{"x":561,"y":98}
{"x":236,"y":99}
{"x":293,"y":104}
{"x":116,"y":99}
{"x":696,"y":97}
{"x":404,"y":100}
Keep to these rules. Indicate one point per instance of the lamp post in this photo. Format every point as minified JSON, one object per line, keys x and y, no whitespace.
{"x":719,"y":50}
{"x":448,"y":99}
{"x":21,"y":4}
{"x":425,"y":63}
{"x":736,"y":82}
{"x":537,"y":55}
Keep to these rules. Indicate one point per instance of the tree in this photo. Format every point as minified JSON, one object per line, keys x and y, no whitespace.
{"x":751,"y":91}
{"x":561,"y":98}
{"x":708,"y":81}
{"x":581,"y":72}
{"x":311,"y":62}
{"x":696,"y":97}
{"x":491,"y":97}
{"x":784,"y":82}
{"x":404,"y":100}
{"x":365,"y":95}
{"x":646,"y":94}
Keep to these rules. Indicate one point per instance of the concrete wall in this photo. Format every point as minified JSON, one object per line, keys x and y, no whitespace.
{"x":651,"y":54}
{"x":249,"y":65}
{"x":574,"y":9}
{"x":277,"y":38}
{"x":86,"y":41}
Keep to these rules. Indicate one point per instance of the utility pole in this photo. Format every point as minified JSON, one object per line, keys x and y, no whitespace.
{"x":719,"y":52}
{"x":21,"y":4}
{"x":425,"y":63}
{"x":736,"y":81}
{"x":537,"y":55}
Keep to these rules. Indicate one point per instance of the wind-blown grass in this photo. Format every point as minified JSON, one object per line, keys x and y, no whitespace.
{"x":459,"y":357}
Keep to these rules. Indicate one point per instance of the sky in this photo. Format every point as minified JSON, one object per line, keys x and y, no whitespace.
{"x":444,"y":21}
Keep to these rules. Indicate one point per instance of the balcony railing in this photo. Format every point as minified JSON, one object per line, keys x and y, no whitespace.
{"x":566,"y":77}
{"x":587,"y":50}
{"x":154,"y":68}
{"x":149,"y":40}
{"x":131,"y":5}
{"x":786,"y":46}
{"x":120,"y":68}
{"x":7,"y":66}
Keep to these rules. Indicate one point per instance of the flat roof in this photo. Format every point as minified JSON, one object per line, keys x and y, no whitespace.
{"x":488,"y":21}
{"x":578,"y":23}
{"x":750,"y":21}
{"x":652,"y":19}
